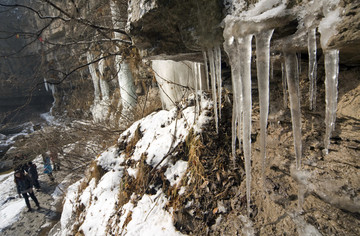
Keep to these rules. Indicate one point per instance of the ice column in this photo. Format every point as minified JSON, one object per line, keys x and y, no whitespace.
{"x":262,"y":65}
{"x":103,"y":84}
{"x":127,"y":86}
{"x":312,"y":67}
{"x":217,"y":52}
{"x":231,"y":48}
{"x":331,"y":82}
{"x":214,"y":57}
{"x":94,"y":76}
{"x":292,"y":75}
{"x":245,"y":75}
{"x":197,"y":84}
{"x":125,"y":78}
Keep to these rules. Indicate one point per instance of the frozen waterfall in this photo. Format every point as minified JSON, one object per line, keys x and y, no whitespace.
{"x":176,"y":80}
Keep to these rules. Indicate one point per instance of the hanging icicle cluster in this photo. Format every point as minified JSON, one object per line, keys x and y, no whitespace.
{"x":239,"y":50}
{"x":238,"y":33}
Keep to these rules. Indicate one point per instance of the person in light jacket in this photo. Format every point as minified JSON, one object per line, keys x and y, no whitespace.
{"x":47,"y":166}
{"x":25,"y":188}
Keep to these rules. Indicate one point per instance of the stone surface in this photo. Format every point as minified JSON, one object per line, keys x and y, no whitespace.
{"x":174,"y":27}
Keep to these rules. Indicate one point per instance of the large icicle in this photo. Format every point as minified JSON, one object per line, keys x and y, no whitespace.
{"x":262,"y":65}
{"x":217,"y":53}
{"x":213,"y":74}
{"x":231,"y":48}
{"x":245,"y":75}
{"x":292,"y":76}
{"x":206,"y":70}
{"x":312,"y":67}
{"x":327,"y":28}
{"x":331,"y":82}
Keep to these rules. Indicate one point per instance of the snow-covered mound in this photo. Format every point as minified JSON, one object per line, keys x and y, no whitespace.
{"x":102,"y":204}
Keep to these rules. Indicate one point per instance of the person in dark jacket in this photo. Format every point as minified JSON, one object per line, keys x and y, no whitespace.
{"x":24,"y":188}
{"x":32,"y":170}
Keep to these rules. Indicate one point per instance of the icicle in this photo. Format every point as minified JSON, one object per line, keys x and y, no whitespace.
{"x":262,"y":65}
{"x":213,"y":85}
{"x":196,"y":81}
{"x":200,"y":80}
{"x":217,"y":53}
{"x":231,"y":49}
{"x":271,"y":69}
{"x":331,"y":82}
{"x":292,"y":76}
{"x":206,"y":70}
{"x":46,"y":85}
{"x":245,"y":75}
{"x":299,"y":62}
{"x":284,"y":84}
{"x":312,"y":67}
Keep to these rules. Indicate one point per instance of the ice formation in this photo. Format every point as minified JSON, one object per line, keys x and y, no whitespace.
{"x":331,"y":82}
{"x":262,"y":65}
{"x":175,"y":79}
{"x":239,"y":51}
{"x":327,"y":29}
{"x":239,"y":27}
{"x":284,"y":85}
{"x":292,"y":75}
{"x":312,"y":67}
{"x":125,"y":78}
{"x":213,"y":55}
{"x":94,"y":76}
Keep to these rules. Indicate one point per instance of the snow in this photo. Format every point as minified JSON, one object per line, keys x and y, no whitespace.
{"x":10,"y":205}
{"x":101,"y":201}
{"x":174,"y":173}
{"x":150,"y":218}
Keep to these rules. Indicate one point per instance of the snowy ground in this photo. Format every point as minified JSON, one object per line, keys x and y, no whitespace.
{"x":10,"y":204}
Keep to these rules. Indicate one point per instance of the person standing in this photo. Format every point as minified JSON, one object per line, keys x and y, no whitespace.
{"x":32,"y":170}
{"x":24,"y":188}
{"x":55,"y":160}
{"x":47,"y":166}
